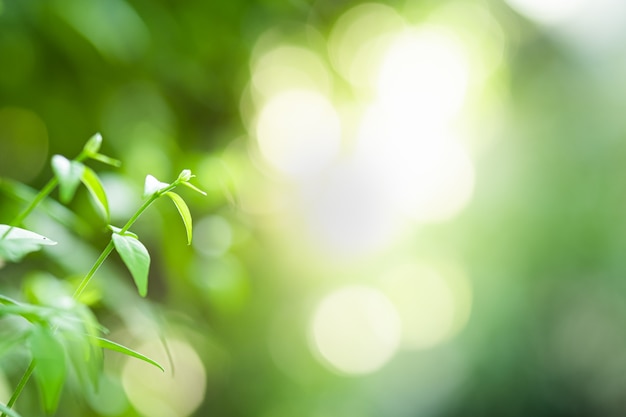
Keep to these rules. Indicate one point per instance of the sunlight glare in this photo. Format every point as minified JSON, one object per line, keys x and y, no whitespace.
{"x":286,"y":68}
{"x":168,"y":394}
{"x":548,"y":11}
{"x":355,"y":330}
{"x":433,"y":303}
{"x":424,"y":75}
{"x":358,"y":41}
{"x":347,"y":210}
{"x":428,"y":175}
{"x":299,"y":132}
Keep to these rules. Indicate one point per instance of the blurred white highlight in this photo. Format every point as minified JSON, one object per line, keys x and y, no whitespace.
{"x":355,"y":330}
{"x":298,"y":132}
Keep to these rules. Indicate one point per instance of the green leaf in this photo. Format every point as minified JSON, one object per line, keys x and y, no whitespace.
{"x":106,"y":159}
{"x":93,"y":144}
{"x":136,"y":258}
{"x":16,"y":242}
{"x":193,"y":187}
{"x":68,"y":173}
{"x":93,"y":184}
{"x":184,"y":213}
{"x":185,"y":175}
{"x":9,"y":412}
{"x":50,"y":372}
{"x":108,"y":344}
{"x":152,"y":185}
{"x":119,"y":231}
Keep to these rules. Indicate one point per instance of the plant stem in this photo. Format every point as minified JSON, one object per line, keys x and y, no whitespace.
{"x":20,"y":386}
{"x":109,"y":248}
{"x":45,"y":191}
{"x":85,"y":281}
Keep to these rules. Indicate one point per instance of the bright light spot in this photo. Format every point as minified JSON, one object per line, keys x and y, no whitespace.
{"x":348,"y":212}
{"x":355,"y":330}
{"x":548,"y":11}
{"x":424,"y":76}
{"x":480,"y":33}
{"x":212,"y":236}
{"x":433,"y":304}
{"x":157,"y":394}
{"x":288,"y":68}
{"x":359,"y":39}
{"x":428,"y":176}
{"x":298,"y":132}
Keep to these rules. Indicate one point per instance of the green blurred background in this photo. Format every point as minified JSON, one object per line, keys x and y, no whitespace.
{"x":415,"y":208}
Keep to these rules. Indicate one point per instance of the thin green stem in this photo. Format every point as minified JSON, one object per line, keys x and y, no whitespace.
{"x":20,"y":386}
{"x":109,"y":248}
{"x":85,"y":281}
{"x":45,"y":191}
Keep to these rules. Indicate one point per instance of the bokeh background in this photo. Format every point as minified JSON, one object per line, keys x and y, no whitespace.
{"x":415,"y":208}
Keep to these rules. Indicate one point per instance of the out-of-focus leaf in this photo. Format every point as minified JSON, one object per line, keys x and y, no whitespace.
{"x":93,"y":184}
{"x":51,"y":207}
{"x":8,"y":411}
{"x":108,"y":344}
{"x":119,"y":231}
{"x":193,"y":187}
{"x":152,"y":185}
{"x":68,"y":173}
{"x":93,"y":144}
{"x":136,"y":258}
{"x":50,"y":372}
{"x":9,"y":341}
{"x":185,"y":175}
{"x":184,"y":213}
{"x":106,"y":159}
{"x":16,"y":242}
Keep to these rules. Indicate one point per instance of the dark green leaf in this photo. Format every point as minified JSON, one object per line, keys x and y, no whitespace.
{"x":50,"y":372}
{"x":184,"y":213}
{"x":16,"y":242}
{"x":136,"y":258}
{"x":107,"y":344}
{"x":93,"y":184}
{"x":68,"y":173}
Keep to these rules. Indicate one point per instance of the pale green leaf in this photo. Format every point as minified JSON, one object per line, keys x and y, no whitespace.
{"x":184,"y":213}
{"x":119,"y":231}
{"x":136,"y":258}
{"x":152,"y":185}
{"x":49,"y":357}
{"x":185,"y":175}
{"x":93,"y":144}
{"x":193,"y":187}
{"x":8,"y":411}
{"x":108,"y":344}
{"x":106,"y":159}
{"x":93,"y":184}
{"x":16,"y":242}
{"x":68,"y":173}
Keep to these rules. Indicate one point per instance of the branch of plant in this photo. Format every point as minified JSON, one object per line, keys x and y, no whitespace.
{"x":103,"y":256}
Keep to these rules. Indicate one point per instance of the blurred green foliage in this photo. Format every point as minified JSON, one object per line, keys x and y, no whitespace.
{"x":542,"y":240}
